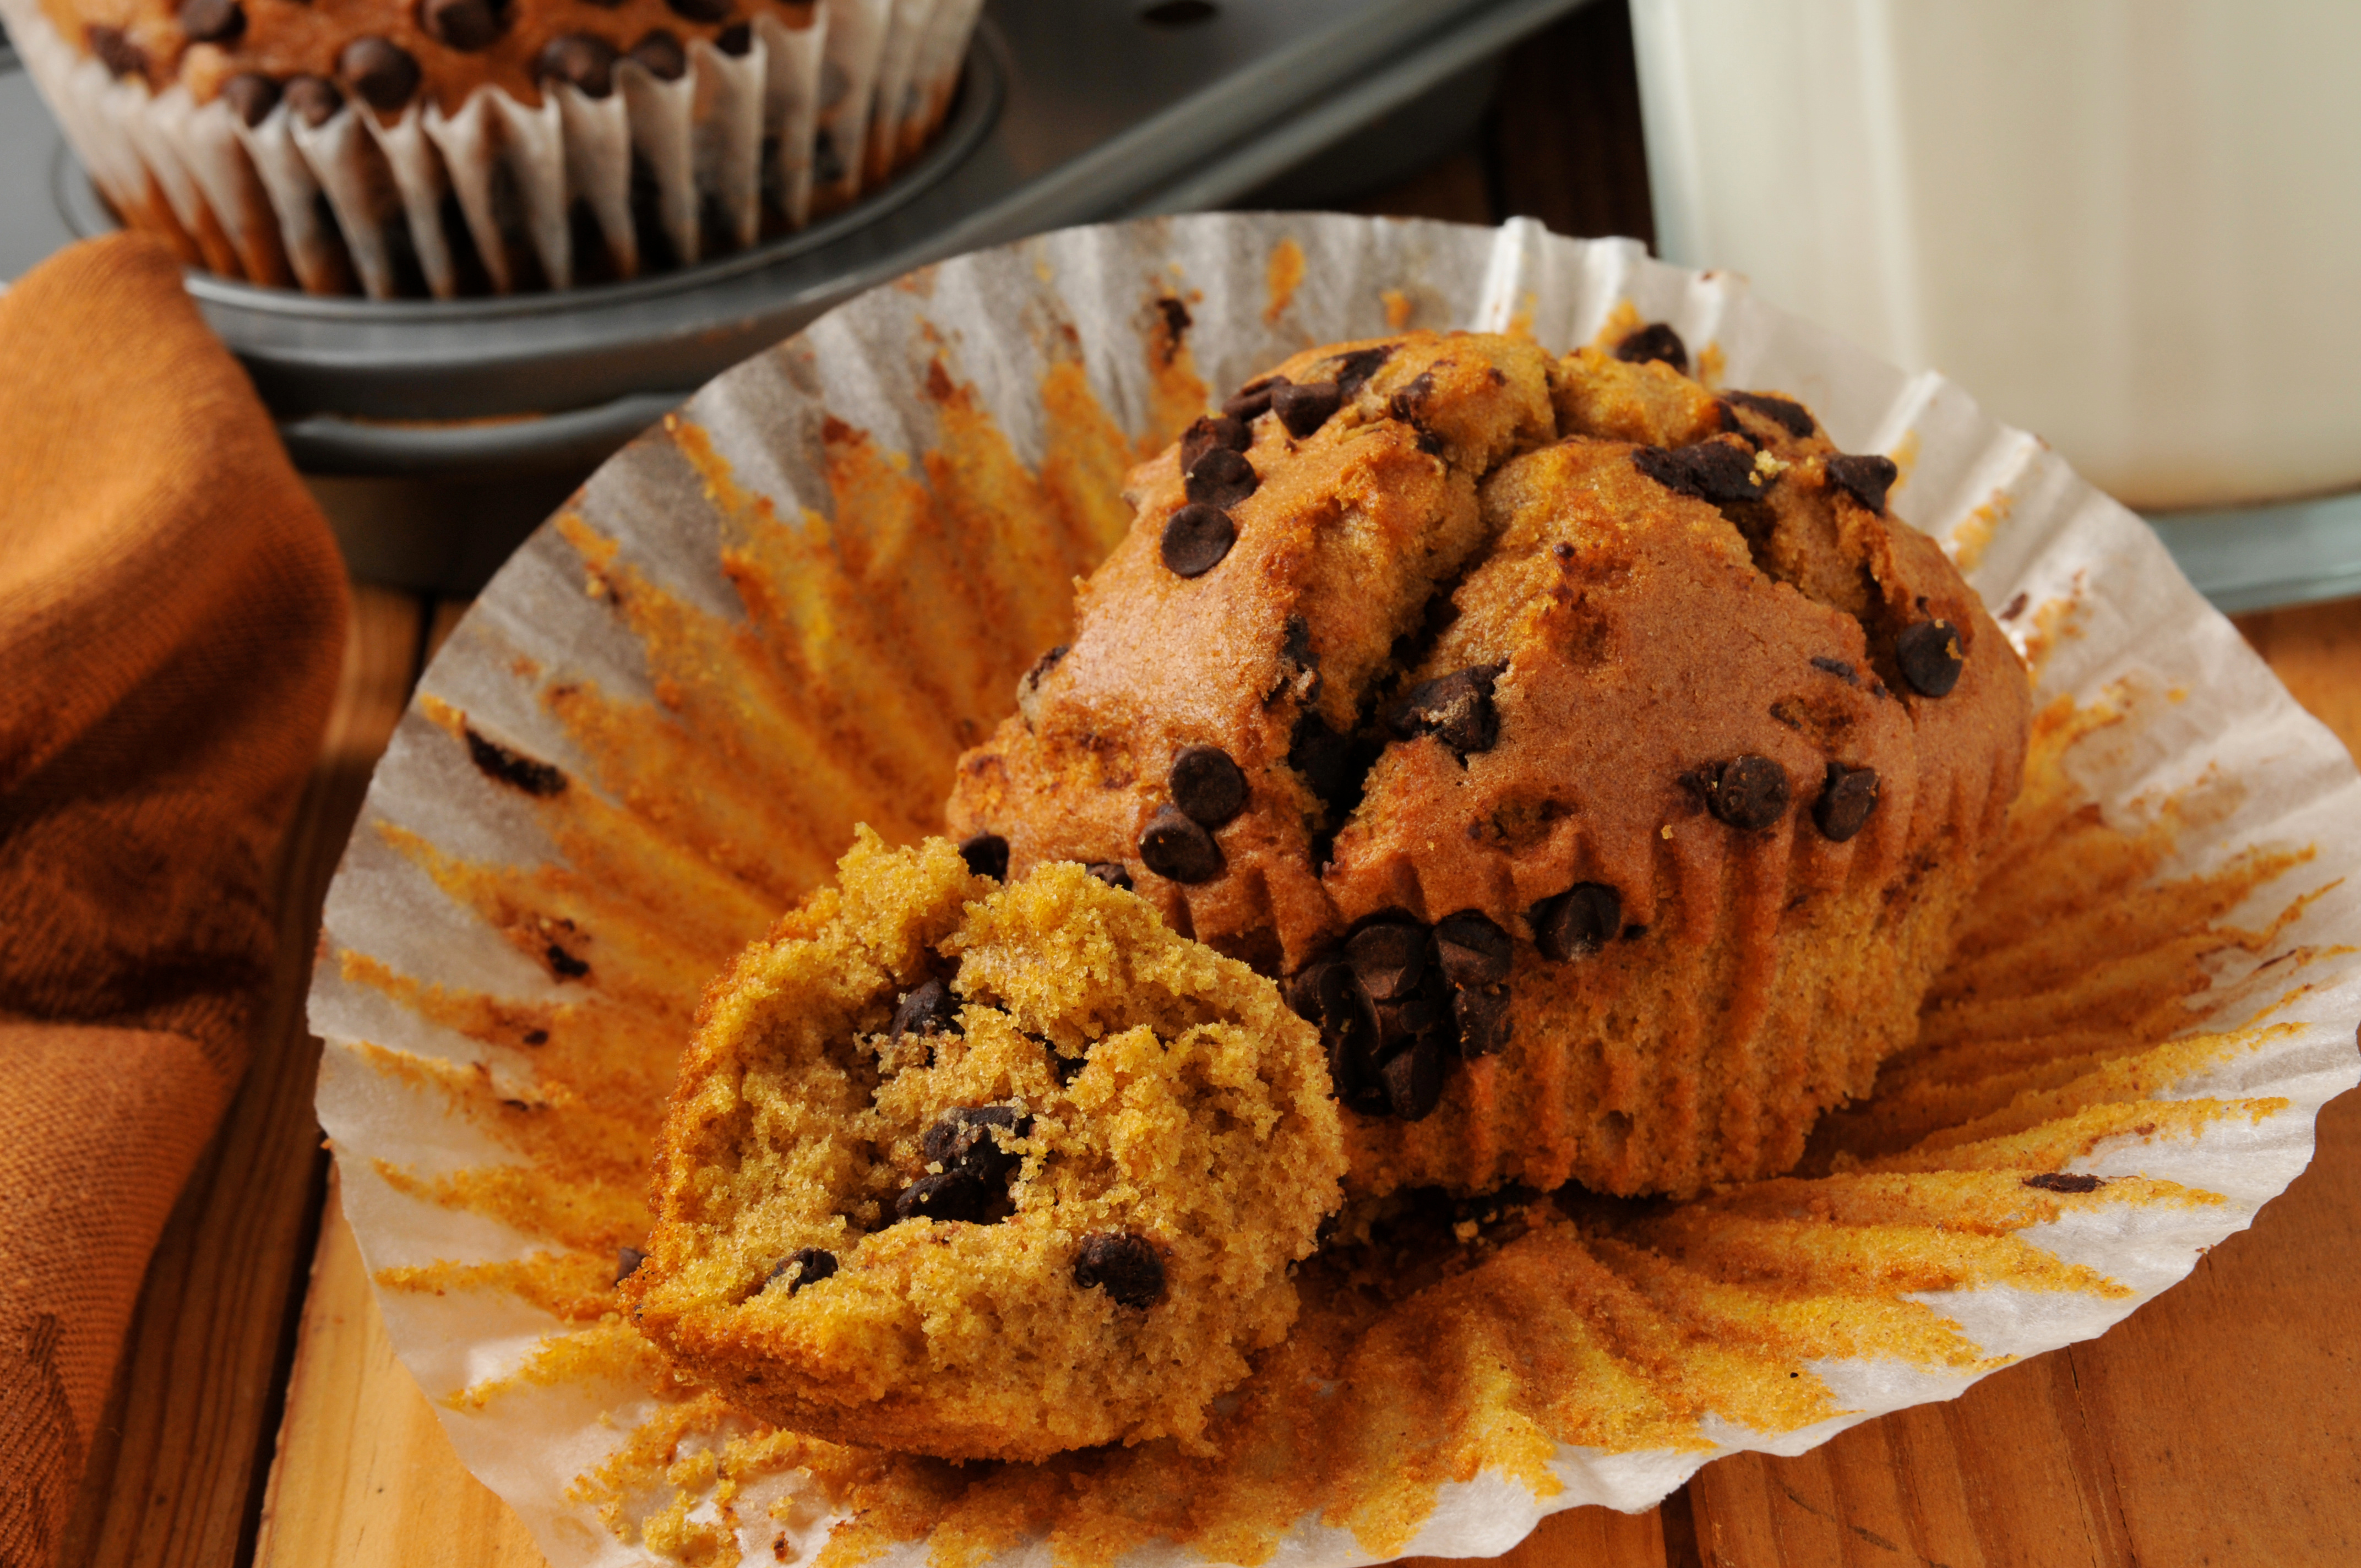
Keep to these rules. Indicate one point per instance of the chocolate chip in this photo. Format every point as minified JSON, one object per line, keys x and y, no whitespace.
{"x":313,"y":99}
{"x":928,"y":1009}
{"x":736,"y":40}
{"x":1332,"y":763}
{"x":115,"y":50}
{"x":1472,"y":950}
{"x":1177,"y":848}
{"x":1747,"y":793}
{"x":1430,"y":443}
{"x":953,"y":1197}
{"x":583,"y":60}
{"x":1065,"y":1069}
{"x":1207,"y":785}
{"x":1930,"y":656}
{"x":1482,"y":1015}
{"x":537,"y":1037}
{"x":1837,"y":668}
{"x":1196,"y":537}
{"x":1846,"y":801}
{"x":1403,"y":1022}
{"x":512,"y":768}
{"x":1112,"y":872}
{"x":1350,"y":1036}
{"x":1657,"y":340}
{"x":1253,"y":399}
{"x":381,"y":72}
{"x":986,"y":854}
{"x":1125,"y":1266}
{"x":467,"y":24}
{"x":1414,"y":1080}
{"x":627,"y":1262}
{"x":1787,"y":413}
{"x":1214,"y":431}
{"x":567,"y":966}
{"x":966,"y":1138}
{"x":1300,"y":990}
{"x":700,"y":10}
{"x":211,"y":21}
{"x":1354,"y":369}
{"x":1578,"y":922}
{"x":1410,"y":402}
{"x":1220,"y":478}
{"x":2065,"y":1181}
{"x":2015,"y":607}
{"x":1305,"y":409}
{"x":251,"y":96}
{"x":1455,"y":709}
{"x":661,"y":55}
{"x":1387,"y":956}
{"x":805,"y":1266}
{"x":1866,"y":479}
{"x":1716,"y":471}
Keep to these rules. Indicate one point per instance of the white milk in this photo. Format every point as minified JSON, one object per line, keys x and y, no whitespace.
{"x":2130,"y":226}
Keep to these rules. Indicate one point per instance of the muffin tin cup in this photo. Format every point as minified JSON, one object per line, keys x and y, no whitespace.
{"x":433,"y":205}
{"x":834,"y":563}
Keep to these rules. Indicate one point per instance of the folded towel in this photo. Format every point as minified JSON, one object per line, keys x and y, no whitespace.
{"x":171,"y":622}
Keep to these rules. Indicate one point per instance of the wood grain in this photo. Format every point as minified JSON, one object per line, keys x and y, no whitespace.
{"x":178,"y":1465}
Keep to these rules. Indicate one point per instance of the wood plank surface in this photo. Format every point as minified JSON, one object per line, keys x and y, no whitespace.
{"x":177,"y":1463}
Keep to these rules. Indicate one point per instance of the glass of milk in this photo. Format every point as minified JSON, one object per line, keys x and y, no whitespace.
{"x":2131,"y":226}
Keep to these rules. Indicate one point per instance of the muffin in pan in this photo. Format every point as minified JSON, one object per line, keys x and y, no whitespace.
{"x":452,"y":147}
{"x":1593,"y":756}
{"x":983,"y":1171}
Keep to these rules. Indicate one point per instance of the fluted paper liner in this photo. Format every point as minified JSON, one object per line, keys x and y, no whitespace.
{"x":787,"y":610}
{"x":739,"y":136}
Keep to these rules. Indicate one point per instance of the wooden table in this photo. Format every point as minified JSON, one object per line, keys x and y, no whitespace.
{"x":258,"y":1415}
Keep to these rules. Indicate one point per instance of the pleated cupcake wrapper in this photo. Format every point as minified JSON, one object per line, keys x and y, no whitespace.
{"x":657,"y":696}
{"x":733,"y":141}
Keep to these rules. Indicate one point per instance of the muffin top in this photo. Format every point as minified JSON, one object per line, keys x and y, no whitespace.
{"x":1438,"y":625}
{"x":317,"y":54}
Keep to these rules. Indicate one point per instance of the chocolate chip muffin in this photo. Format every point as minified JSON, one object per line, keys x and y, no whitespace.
{"x":984,"y":1172}
{"x":1592,"y":756}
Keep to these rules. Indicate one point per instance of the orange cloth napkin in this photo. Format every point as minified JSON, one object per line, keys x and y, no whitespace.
{"x":171,"y":622}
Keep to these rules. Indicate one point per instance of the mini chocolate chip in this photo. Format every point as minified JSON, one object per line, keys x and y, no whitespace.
{"x":661,"y":55}
{"x":471,"y":25}
{"x":584,"y":59}
{"x":1714,"y":471}
{"x":700,"y":10}
{"x":1455,"y":709}
{"x":965,"y":1138}
{"x":2065,"y":1181}
{"x":1747,"y":793}
{"x":1253,"y":399}
{"x":2015,"y":607}
{"x":512,"y":768}
{"x":1176,"y":848}
{"x":1387,"y":956}
{"x":1482,"y":1015}
{"x":1111,"y":872}
{"x":809,"y":1264}
{"x":1657,"y":340}
{"x":1472,"y":949}
{"x":1305,"y":409}
{"x":1212,"y":432}
{"x":1846,"y":801}
{"x":1578,"y":922}
{"x":1930,"y":656}
{"x":1220,"y":479}
{"x":1784,"y":413}
{"x":1125,"y":1266}
{"x":1354,"y":369}
{"x":115,"y":50}
{"x":627,"y":1262}
{"x":954,"y":1196}
{"x":313,"y":99}
{"x":1414,"y":1080}
{"x":567,"y":966}
{"x":736,"y":40}
{"x":1410,"y":399}
{"x":381,"y":72}
{"x":928,"y":1009}
{"x":986,"y":854}
{"x":1207,"y":785}
{"x":1866,"y":479}
{"x":1837,"y":668}
{"x":211,"y":21}
{"x":1195,"y":539}
{"x":251,"y":96}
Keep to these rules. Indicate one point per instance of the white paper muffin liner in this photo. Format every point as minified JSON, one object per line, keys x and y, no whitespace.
{"x":805,"y":122}
{"x":2194,"y":711}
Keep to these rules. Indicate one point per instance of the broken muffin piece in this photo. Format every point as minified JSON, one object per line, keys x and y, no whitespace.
{"x":984,"y":1172}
